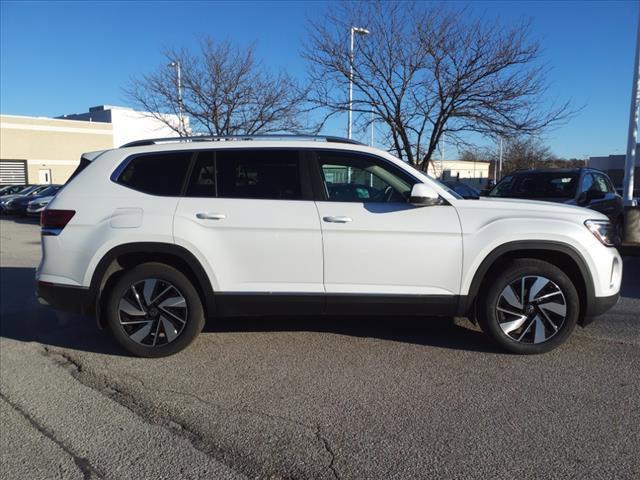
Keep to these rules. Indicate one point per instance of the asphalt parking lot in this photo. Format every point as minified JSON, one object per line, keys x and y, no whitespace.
{"x":310,"y":397}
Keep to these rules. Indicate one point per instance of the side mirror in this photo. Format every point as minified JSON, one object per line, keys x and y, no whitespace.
{"x":594,"y":195}
{"x":422,"y":195}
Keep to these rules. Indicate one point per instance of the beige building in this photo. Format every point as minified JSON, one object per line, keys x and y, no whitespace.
{"x":46,"y":150}
{"x":472,"y":173}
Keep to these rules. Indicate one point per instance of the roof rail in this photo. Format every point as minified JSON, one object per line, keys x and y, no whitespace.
{"x":227,"y":138}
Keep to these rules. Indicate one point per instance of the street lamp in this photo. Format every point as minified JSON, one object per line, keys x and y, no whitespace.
{"x":176,"y":65}
{"x":354,"y":31}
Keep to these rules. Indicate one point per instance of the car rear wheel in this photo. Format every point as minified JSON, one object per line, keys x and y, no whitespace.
{"x":531,"y":306}
{"x":154,"y":310}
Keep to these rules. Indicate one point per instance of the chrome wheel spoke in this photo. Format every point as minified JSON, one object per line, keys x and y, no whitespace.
{"x":525,"y":331}
{"x":127,"y":307}
{"x":173,"y":315}
{"x":510,"y":312}
{"x":155,"y":335}
{"x":169,"y":329}
{"x":142,"y":332}
{"x":508,"y":327}
{"x":538,"y":285}
{"x":551,"y":322}
{"x":173,"y":302}
{"x":539,"y":332}
{"x":554,"y":307}
{"x":148,"y":289}
{"x":548,"y":295}
{"x":509,"y":295}
{"x":161,"y":294}
{"x":137,"y":297}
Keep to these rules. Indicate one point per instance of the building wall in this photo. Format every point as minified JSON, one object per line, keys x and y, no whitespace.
{"x":613,"y":165}
{"x":50,"y":144}
{"x":128,"y":124}
{"x":473,"y":173}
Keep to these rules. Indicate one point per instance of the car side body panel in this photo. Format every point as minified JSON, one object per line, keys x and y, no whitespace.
{"x":431,"y":256}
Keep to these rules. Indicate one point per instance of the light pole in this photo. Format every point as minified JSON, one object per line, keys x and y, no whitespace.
{"x":632,"y":138}
{"x":442,"y":158}
{"x":372,"y":123}
{"x":359,"y":31}
{"x":176,"y":65}
{"x":500,"y":160}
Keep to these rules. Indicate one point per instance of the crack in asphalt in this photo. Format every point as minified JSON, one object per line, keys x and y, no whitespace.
{"x":104,"y":386}
{"x":88,"y":471}
{"x":332,"y":455}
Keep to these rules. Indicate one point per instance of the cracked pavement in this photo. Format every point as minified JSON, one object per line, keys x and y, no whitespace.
{"x":302,"y":398}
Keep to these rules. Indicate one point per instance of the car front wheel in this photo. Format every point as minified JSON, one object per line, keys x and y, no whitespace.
{"x":531,"y":306}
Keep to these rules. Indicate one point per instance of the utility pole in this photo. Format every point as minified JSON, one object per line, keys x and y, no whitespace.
{"x":359,"y":31}
{"x":632,"y":136}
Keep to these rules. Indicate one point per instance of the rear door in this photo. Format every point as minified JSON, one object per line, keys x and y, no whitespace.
{"x":378,"y":248}
{"x":249,"y":213}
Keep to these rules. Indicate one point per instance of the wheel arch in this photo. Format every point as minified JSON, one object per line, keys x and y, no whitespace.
{"x":560,"y":254}
{"x":123,"y":257}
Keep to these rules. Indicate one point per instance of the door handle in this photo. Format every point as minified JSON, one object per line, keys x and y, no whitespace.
{"x":211,"y":216}
{"x":337,"y":219}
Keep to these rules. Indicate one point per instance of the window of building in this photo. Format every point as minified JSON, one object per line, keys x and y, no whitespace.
{"x":157,"y":174}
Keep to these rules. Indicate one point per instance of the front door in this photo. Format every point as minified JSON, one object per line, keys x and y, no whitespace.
{"x":376,"y":244}
{"x":250,"y":214}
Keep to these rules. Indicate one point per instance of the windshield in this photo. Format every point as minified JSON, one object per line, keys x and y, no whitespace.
{"x":537,"y":185}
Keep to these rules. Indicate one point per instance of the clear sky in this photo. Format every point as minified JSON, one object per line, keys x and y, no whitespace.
{"x":63,"y":57}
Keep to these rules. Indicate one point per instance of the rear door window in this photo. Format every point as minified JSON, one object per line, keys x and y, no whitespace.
{"x":202,"y":182}
{"x":157,"y":174}
{"x":264,"y":174}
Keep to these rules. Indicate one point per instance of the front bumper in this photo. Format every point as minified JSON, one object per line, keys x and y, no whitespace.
{"x":65,"y":297}
{"x":598,"y":306}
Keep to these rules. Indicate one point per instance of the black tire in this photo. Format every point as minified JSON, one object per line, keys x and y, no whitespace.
{"x":495,"y":323}
{"x":164,"y":275}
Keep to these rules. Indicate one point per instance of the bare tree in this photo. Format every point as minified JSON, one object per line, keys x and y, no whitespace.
{"x":429,"y":71}
{"x":225,"y":91}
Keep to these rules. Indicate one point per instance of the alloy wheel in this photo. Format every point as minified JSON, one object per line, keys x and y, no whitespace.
{"x":531,"y":309}
{"x":152,"y":312}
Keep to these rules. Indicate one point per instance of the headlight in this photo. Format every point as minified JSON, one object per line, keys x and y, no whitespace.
{"x":605,"y":231}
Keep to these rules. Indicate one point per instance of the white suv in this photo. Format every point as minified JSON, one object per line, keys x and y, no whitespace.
{"x":156,"y":236}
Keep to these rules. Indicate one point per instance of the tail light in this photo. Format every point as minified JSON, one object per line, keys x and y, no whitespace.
{"x":53,"y":221}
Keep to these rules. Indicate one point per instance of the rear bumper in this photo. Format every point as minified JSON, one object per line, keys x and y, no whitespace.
{"x":65,"y":297}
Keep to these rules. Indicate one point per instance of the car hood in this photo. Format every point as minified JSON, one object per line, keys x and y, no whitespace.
{"x":535,"y":206}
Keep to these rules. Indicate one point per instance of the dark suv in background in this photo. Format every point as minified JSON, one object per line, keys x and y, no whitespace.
{"x":585,"y":187}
